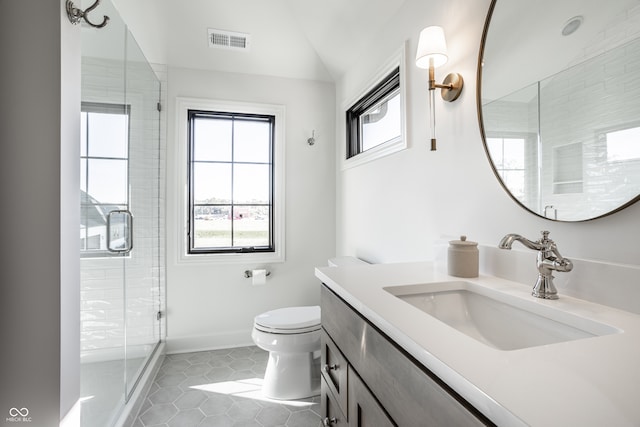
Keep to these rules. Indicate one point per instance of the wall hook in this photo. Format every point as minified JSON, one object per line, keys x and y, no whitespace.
{"x":312,"y":140}
{"x":76,"y":15}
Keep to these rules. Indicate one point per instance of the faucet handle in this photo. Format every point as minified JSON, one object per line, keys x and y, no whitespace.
{"x":545,"y":240}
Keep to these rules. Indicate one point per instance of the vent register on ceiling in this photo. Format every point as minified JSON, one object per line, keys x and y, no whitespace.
{"x":229,"y":40}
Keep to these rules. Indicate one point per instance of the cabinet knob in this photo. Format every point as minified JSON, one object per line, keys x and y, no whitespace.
{"x":328,"y":368}
{"x":327,"y":422}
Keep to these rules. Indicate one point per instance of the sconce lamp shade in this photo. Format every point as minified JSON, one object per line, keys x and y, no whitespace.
{"x":431,"y":45}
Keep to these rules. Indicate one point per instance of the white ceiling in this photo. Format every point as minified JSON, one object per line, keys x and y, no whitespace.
{"x":304,"y":39}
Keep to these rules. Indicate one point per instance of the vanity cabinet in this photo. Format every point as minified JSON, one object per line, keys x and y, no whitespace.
{"x":369,"y":381}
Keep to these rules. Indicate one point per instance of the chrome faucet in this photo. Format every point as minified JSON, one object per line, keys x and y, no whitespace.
{"x":548,"y":261}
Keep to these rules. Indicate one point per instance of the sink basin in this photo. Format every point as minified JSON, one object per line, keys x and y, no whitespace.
{"x":497,"y":319}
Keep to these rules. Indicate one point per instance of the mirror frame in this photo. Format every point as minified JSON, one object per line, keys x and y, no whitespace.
{"x":483,"y":40}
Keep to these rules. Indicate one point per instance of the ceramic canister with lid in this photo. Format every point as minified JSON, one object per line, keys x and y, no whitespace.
{"x":462,"y":260}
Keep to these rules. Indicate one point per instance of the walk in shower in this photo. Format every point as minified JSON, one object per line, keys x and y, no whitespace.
{"x":120,"y":226}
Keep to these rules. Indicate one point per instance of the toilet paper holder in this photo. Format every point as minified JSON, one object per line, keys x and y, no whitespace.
{"x":249,"y":273}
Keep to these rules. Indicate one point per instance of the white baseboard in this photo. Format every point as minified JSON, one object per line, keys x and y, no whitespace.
{"x":193,"y":343}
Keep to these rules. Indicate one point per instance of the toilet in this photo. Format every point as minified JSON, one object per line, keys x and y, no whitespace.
{"x":291,"y":335}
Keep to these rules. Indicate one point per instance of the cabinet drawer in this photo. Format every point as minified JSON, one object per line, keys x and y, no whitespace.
{"x":334,"y":370}
{"x":332,"y":415}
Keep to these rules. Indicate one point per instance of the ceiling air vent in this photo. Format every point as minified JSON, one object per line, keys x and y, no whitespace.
{"x":229,"y":40}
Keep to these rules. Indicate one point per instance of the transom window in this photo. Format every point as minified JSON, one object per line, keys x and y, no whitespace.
{"x":230,"y":182}
{"x":376,"y":118}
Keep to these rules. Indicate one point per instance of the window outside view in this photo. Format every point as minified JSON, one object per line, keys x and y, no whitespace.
{"x":381,"y":123}
{"x":231,"y":180}
{"x":375,"y":120}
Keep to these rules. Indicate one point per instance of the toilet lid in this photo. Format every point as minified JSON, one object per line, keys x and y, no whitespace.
{"x":289,"y":318}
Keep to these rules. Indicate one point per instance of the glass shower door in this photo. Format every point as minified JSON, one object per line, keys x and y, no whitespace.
{"x":104,"y":188}
{"x":142,"y":267}
{"x":120,"y":226}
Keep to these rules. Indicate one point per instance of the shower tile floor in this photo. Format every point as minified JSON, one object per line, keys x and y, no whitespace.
{"x":220,"y":388}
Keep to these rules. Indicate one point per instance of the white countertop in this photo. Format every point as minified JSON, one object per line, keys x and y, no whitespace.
{"x":587,"y":382}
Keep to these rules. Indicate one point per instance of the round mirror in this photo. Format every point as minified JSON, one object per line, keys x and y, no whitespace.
{"x":559,"y":104}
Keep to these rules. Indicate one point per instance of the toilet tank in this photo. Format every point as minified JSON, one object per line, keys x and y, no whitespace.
{"x":345,"y":260}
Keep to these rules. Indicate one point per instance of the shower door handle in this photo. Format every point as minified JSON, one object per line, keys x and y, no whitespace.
{"x":120,"y":231}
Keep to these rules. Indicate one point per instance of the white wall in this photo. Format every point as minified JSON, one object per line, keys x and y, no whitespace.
{"x":213,"y":305}
{"x":146,"y":20}
{"x":39,"y":172}
{"x":69,"y":219}
{"x":398,"y":208}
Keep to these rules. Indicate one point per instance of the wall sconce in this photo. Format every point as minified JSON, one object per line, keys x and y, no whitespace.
{"x":432,"y":53}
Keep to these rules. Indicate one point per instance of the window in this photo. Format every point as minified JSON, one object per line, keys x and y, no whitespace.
{"x":623,"y":145}
{"x":508,"y":155}
{"x":375,"y":119}
{"x":104,"y":174}
{"x":230,"y":182}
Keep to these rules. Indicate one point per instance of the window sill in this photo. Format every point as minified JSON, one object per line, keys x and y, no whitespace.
{"x":383,"y":150}
{"x":232,"y":258}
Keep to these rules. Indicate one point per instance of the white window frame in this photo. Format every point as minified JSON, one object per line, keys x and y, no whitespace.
{"x":398,"y":60}
{"x":182,"y":107}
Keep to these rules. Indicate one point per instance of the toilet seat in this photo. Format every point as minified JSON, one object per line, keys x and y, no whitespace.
{"x":289,"y":321}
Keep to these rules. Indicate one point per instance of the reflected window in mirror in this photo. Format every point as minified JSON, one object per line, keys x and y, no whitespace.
{"x":623,"y":145}
{"x":509,"y":159}
{"x":514,"y":155}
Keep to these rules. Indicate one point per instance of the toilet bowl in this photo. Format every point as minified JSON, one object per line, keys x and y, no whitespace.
{"x":292,"y":337}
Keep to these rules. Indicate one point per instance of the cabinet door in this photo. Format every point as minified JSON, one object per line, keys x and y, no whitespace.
{"x":364,"y":409}
{"x":334,"y":370}
{"x":332,"y":415}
